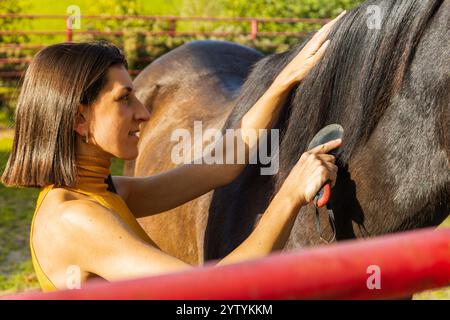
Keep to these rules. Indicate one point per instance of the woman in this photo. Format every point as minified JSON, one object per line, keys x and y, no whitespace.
{"x":77,"y":110}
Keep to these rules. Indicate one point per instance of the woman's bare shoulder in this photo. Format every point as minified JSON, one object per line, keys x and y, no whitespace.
{"x":73,"y":213}
{"x":57,"y":201}
{"x":67,"y":224}
{"x":57,"y":240}
{"x":64,"y":215}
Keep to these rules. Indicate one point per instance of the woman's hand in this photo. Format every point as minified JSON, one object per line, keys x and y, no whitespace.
{"x":314,"y":168}
{"x":311,"y":172}
{"x":307,"y":58}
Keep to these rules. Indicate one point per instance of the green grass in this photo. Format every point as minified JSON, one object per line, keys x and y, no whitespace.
{"x":16,"y":211}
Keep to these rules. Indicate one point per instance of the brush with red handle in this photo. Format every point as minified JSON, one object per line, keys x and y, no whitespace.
{"x":326,"y":134}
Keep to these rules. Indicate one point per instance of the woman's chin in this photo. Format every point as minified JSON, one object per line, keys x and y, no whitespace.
{"x":129,"y":154}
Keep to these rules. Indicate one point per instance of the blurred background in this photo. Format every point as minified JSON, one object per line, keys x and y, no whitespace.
{"x":144,"y":30}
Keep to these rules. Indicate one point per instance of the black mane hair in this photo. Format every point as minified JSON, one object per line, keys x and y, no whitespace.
{"x":361,"y":72}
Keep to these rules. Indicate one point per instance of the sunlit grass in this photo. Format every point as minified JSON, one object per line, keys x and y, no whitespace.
{"x":16,"y":211}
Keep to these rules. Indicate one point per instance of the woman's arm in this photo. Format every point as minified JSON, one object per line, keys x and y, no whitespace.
{"x":161,"y":192}
{"x":96,"y":240}
{"x":314,"y":168}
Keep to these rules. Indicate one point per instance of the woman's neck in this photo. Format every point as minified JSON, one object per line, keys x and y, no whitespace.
{"x":93,"y":168}
{"x":92,"y":173}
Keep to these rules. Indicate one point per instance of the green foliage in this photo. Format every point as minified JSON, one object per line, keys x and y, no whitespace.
{"x":7,"y":106}
{"x":323,"y":9}
{"x":287,"y":8}
{"x":8,"y":24}
{"x":201,"y":8}
{"x":141,"y":47}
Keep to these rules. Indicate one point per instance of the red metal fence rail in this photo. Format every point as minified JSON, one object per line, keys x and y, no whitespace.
{"x":405,"y":263}
{"x":254,"y":23}
{"x":172,"y":21}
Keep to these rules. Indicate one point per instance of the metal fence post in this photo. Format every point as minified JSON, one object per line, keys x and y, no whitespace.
{"x":254,"y":29}
{"x":69,"y":34}
{"x":172,"y":27}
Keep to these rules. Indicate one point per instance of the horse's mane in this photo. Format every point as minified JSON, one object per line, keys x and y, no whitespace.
{"x":361,"y":71}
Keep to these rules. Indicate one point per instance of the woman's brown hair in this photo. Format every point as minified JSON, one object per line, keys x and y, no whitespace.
{"x":58,"y":80}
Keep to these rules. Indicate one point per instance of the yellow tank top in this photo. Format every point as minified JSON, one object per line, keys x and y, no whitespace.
{"x":92,"y":175}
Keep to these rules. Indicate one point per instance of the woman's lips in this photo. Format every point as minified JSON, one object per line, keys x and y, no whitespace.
{"x":135,"y":134}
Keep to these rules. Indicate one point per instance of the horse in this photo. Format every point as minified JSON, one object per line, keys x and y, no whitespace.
{"x":388,"y":86}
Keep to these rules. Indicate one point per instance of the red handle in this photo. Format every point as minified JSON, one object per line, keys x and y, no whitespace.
{"x":323,"y":196}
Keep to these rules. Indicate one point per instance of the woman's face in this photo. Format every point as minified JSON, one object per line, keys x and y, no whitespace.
{"x":114,"y":119}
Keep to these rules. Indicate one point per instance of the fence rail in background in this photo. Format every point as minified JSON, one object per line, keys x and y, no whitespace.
{"x":406,"y":263}
{"x":165,"y":18}
{"x":14,"y":57}
{"x":172,"y":21}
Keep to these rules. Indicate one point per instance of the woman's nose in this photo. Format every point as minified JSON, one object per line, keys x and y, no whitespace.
{"x":143,"y":114}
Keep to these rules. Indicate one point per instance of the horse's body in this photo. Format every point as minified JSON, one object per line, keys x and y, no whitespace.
{"x":388,"y":88}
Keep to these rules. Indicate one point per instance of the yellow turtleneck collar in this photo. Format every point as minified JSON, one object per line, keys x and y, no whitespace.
{"x":92,"y":173}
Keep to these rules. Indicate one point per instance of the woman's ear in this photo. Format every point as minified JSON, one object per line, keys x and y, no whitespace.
{"x":81,"y":123}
